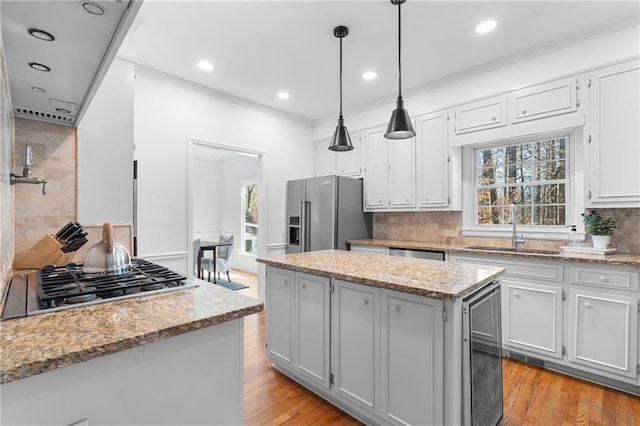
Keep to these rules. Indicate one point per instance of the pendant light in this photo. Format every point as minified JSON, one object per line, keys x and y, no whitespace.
{"x":399,"y":126}
{"x":340,"y":141}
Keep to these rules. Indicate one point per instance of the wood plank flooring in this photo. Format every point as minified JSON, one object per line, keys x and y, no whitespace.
{"x":532,"y":396}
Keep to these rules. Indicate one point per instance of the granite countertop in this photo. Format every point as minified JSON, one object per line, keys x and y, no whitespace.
{"x":632,"y":260}
{"x":431,"y":278}
{"x":41,"y":343}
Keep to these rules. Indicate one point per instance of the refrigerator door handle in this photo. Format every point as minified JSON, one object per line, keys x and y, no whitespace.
{"x":304,"y":226}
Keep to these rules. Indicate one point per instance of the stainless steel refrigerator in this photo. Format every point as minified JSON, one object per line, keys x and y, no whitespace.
{"x":324,"y":212}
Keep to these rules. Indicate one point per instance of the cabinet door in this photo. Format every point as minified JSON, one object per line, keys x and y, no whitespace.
{"x":603,"y":332}
{"x":543,"y":100}
{"x":324,"y":160}
{"x":432,"y":160}
{"x":481,"y":115}
{"x":355,"y":357}
{"x":375,"y":170}
{"x":412,"y":378}
{"x":370,"y":249}
{"x":613,"y":175}
{"x":348,"y":162}
{"x":312,"y":327}
{"x":402,"y":172}
{"x":532,"y":317}
{"x":279,"y":308}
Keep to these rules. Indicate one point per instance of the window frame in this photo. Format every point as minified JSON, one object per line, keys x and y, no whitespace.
{"x":241,"y":247}
{"x":573,"y":189}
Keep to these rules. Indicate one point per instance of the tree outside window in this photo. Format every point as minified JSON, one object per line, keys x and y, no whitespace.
{"x":250,"y":217}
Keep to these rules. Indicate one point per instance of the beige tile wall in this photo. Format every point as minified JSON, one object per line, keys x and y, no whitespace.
{"x":445,"y":227}
{"x":54,"y":159}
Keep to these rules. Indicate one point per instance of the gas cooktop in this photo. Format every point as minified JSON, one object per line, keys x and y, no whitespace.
{"x":56,"y":288}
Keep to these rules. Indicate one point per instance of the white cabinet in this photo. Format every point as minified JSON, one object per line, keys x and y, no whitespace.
{"x":533,"y":317}
{"x":348,"y":162}
{"x":279,"y":299}
{"x":480,"y":115}
{"x":324,"y":159}
{"x":411,"y":359}
{"x":311,"y":327}
{"x":603,"y":331}
{"x":355,"y":348}
{"x":543,"y":100}
{"x":389,"y":172}
{"x":613,"y":154}
{"x":433,"y":161}
{"x":370,"y":249}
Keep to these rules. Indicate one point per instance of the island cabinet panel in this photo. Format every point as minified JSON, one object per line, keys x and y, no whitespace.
{"x":355,"y":354}
{"x":603,"y":331}
{"x":533,"y":316}
{"x":412,"y":377}
{"x":279,"y":302}
{"x":311,"y":327}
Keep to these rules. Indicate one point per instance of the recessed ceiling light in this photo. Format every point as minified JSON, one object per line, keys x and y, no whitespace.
{"x":370,"y":75}
{"x":38,"y":89}
{"x":39,"y":67}
{"x":41,"y":34}
{"x":93,"y":8}
{"x":283,"y":95}
{"x":205,"y":66}
{"x":486,"y":26}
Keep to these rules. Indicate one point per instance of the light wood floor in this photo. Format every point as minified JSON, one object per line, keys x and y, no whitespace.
{"x":532,"y":396}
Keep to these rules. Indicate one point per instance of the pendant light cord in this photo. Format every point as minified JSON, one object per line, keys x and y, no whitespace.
{"x":340,"y":77}
{"x":399,"y":53}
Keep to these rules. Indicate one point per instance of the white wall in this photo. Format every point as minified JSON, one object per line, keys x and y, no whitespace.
{"x":105,"y":150}
{"x":207,"y":186}
{"x":169,"y":111}
{"x":585,"y":54}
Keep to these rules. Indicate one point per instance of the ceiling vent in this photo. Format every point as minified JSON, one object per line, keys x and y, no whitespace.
{"x":34,"y":114}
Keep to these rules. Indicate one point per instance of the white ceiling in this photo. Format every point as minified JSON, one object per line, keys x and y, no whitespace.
{"x":259,"y":48}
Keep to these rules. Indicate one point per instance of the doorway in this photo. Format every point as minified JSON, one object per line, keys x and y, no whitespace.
{"x":224,"y":183}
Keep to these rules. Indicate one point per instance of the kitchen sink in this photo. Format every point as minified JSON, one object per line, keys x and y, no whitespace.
{"x":512,"y":250}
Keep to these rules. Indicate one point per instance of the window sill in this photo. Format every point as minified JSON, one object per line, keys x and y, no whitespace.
{"x":246,"y":253}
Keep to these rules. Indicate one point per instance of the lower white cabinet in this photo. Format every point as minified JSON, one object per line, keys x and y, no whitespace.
{"x":533,"y":317}
{"x":411,"y":377}
{"x":603,"y":331}
{"x":279,"y":299}
{"x":356,"y":344}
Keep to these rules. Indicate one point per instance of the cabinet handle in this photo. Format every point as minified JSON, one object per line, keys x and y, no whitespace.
{"x":493,"y":118}
{"x":587,"y":304}
{"x":395,"y":308}
{"x":284,"y":282}
{"x":426,"y":198}
{"x":524,"y":111}
{"x":364,"y":301}
{"x":303,"y":286}
{"x":516,"y":294}
{"x":602,"y":278}
{"x":407,"y":200}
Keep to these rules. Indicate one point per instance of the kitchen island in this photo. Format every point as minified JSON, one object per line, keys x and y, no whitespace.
{"x":381,"y":337}
{"x":171,"y":358}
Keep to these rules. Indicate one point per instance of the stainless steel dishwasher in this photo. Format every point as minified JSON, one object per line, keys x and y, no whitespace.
{"x":420,"y":254}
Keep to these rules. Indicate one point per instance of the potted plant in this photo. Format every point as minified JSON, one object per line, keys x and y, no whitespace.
{"x":601,"y":229}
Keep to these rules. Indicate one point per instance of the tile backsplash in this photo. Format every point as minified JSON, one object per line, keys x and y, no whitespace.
{"x":446,"y":228}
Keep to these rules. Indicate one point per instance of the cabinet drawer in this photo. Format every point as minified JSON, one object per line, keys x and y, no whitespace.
{"x":543,"y":100}
{"x":604,"y":278}
{"x":481,"y":115}
{"x":524,"y":269}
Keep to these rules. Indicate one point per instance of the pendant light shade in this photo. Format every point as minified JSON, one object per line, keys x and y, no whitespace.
{"x":399,"y":126}
{"x":341,"y":141}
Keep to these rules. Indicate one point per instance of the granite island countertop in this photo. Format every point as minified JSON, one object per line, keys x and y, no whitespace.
{"x":40,"y":343}
{"x":431,"y":278}
{"x":619,"y":259}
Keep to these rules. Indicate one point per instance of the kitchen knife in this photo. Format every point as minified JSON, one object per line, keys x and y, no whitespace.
{"x":64,"y":230}
{"x":70,"y":231}
{"x":74,"y":245}
{"x":79,"y":233}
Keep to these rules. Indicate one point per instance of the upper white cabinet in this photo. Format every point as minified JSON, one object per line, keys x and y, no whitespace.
{"x":481,"y":115}
{"x":348,"y":162}
{"x":389,"y":172}
{"x":434,"y":167}
{"x":324,"y":159}
{"x":613,"y":147}
{"x":543,"y":100}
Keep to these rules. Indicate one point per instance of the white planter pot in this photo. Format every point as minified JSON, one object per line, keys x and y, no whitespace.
{"x":601,"y":241}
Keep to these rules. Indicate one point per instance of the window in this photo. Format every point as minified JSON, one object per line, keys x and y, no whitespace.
{"x":249,"y":230}
{"x":533,"y":175}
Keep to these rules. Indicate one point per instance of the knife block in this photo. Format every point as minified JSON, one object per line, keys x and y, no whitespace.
{"x":47,"y":251}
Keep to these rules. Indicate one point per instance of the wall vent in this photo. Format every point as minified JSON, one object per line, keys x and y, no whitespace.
{"x":34,"y":114}
{"x":528,"y":359}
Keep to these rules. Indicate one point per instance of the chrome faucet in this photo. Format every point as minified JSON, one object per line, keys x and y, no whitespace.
{"x":515,"y":240}
{"x":27,"y":163}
